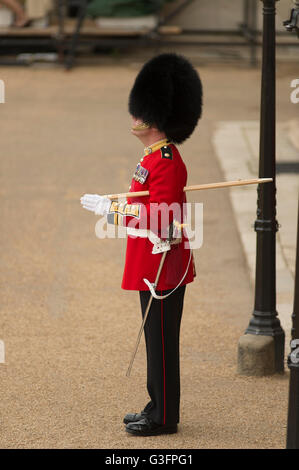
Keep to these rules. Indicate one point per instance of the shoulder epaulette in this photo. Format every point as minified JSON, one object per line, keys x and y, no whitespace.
{"x":166,"y":152}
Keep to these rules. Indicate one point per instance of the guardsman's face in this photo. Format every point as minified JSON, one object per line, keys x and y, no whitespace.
{"x":145,"y":133}
{"x":137,"y":128}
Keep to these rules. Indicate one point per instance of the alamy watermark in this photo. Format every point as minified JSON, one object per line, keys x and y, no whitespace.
{"x":294,"y":356}
{"x":294,"y":96}
{"x":158,"y":220}
{"x":2,"y":92}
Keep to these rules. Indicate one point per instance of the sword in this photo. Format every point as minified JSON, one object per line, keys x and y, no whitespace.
{"x":146,"y":314}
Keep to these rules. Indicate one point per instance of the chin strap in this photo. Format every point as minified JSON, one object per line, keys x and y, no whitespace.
{"x":152,"y":286}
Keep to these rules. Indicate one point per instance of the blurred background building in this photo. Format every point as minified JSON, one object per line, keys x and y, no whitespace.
{"x":223,"y":29}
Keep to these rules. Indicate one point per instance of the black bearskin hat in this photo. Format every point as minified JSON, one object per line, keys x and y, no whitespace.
{"x":168,"y":93}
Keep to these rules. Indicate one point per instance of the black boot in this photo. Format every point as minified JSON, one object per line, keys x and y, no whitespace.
{"x":147,"y":427}
{"x":133,"y":417}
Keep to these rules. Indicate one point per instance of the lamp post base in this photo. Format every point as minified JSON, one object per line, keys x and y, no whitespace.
{"x":267,"y":324}
{"x":260,"y":355}
{"x":256,"y":355}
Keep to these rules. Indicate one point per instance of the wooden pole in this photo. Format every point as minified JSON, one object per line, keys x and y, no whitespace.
{"x":196,"y":187}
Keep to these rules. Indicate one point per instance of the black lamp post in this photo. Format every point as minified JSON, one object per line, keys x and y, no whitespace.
{"x":293,"y":364}
{"x":293,"y":359}
{"x":264,"y":320}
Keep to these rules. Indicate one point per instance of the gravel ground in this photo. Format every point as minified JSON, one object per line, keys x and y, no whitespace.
{"x":68,"y":328}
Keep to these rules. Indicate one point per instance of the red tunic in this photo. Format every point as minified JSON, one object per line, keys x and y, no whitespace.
{"x":164,"y":174}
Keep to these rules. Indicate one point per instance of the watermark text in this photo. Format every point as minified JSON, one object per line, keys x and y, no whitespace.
{"x":2,"y":92}
{"x":295,"y":93}
{"x":157,"y":221}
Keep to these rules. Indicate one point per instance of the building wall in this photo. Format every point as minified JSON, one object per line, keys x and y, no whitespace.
{"x":222,"y":14}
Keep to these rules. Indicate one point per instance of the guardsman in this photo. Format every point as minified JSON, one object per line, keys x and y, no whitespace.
{"x":165,"y":104}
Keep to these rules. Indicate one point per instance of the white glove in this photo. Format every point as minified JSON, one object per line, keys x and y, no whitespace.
{"x":100,"y":205}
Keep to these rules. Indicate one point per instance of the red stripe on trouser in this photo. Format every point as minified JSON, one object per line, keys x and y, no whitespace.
{"x":164,"y":392}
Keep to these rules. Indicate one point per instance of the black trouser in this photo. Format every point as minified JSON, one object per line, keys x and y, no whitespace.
{"x":162,"y":335}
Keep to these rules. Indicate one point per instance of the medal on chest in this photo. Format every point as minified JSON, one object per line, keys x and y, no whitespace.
{"x":140,"y":174}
